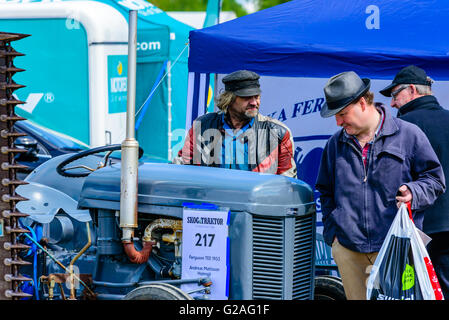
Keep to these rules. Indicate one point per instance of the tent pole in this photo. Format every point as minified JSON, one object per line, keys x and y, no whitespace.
{"x":169,"y":104}
{"x":215,"y":90}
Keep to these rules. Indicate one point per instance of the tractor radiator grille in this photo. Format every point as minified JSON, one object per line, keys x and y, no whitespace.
{"x":303,"y":258}
{"x":268,"y":257}
{"x":274,"y":276}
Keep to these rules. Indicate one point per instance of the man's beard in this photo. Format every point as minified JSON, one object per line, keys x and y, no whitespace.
{"x":251,"y":113}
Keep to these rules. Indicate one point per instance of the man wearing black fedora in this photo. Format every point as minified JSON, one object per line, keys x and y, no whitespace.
{"x":411,"y":94}
{"x":367,"y":169}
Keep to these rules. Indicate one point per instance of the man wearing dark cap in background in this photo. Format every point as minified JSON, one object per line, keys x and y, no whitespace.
{"x":367,"y":169}
{"x":238,"y":136}
{"x":411,"y":94}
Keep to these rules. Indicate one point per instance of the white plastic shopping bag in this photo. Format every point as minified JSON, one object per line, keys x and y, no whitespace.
{"x":403,"y":270}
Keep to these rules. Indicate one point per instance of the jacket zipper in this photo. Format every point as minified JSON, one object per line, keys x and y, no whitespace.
{"x":370,"y":163}
{"x":357,"y":150}
{"x":364,"y":186}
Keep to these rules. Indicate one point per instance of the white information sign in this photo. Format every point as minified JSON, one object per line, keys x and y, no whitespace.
{"x":205,"y":249}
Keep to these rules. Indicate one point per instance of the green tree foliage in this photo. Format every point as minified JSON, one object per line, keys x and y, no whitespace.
{"x":197,"y":5}
{"x":263,"y":4}
{"x":232,"y":5}
{"x":180,"y":5}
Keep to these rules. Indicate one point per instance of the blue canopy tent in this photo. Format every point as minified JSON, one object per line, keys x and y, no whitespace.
{"x":322,"y":37}
{"x":313,"y":40}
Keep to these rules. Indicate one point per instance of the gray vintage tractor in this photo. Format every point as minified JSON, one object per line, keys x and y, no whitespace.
{"x":271,"y":231}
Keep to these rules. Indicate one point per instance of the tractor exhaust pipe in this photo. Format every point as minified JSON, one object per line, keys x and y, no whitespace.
{"x":130,"y":146}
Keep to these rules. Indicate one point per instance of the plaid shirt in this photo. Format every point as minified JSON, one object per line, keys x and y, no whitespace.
{"x":234,"y":148}
{"x":366,"y":150}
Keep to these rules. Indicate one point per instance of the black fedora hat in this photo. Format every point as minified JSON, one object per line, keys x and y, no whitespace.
{"x":341,"y":90}
{"x":408,"y":75}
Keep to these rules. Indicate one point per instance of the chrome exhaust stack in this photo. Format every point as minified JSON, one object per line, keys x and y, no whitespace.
{"x":130,"y":146}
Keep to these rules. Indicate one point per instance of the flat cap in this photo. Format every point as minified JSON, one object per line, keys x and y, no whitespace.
{"x":408,"y":75}
{"x":243,"y":83}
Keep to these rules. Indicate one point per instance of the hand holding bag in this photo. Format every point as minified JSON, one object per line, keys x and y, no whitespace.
{"x":403,"y":270}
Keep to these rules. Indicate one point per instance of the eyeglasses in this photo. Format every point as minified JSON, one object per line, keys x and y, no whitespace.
{"x":395,"y":93}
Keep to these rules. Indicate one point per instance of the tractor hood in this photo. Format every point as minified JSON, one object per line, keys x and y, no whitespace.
{"x":166,"y":188}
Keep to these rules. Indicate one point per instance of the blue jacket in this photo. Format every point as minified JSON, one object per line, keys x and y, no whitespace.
{"x":359,"y":210}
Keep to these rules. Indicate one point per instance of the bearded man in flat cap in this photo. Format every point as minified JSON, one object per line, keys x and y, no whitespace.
{"x":238,"y":136}
{"x":370,"y":166}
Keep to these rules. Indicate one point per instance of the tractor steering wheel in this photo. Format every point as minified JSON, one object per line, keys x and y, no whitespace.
{"x":60,"y":169}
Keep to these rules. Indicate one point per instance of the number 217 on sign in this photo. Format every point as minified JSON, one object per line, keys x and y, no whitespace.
{"x":204,"y":239}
